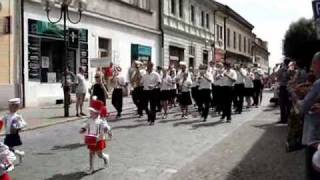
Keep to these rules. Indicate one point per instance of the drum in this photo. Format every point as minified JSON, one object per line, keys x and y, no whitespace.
{"x":90,"y":139}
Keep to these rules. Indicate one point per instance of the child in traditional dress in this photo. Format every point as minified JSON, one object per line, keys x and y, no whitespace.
{"x":95,"y":129}
{"x":7,"y":158}
{"x":14,"y":123}
{"x":185,"y":97}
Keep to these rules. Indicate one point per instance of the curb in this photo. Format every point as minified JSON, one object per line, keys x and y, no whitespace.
{"x":67,"y":120}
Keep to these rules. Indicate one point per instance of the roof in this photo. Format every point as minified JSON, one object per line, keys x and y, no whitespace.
{"x":232,"y":13}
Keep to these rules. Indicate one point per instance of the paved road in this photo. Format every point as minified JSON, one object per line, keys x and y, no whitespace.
{"x":138,"y":151}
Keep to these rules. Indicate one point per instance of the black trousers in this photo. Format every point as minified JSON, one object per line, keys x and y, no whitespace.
{"x":137,"y":97}
{"x":195,"y":95}
{"x":117,"y":99}
{"x":285,"y":104}
{"x":213,"y":96}
{"x":311,"y":174}
{"x":204,"y":102}
{"x":226,"y":98}
{"x":157,"y":99}
{"x":238,"y":97}
{"x":219,"y":98}
{"x":256,"y":91}
{"x":149,"y":98}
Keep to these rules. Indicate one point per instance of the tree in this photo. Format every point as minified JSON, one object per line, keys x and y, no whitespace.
{"x":300,"y":42}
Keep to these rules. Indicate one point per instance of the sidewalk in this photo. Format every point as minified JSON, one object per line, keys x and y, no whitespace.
{"x":39,"y":117}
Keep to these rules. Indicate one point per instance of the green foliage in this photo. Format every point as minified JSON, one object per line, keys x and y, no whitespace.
{"x":301,"y":42}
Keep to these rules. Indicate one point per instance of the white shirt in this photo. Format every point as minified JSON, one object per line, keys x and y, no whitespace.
{"x":81,"y":84}
{"x":205,"y":82}
{"x":166,"y":83}
{"x":186,"y":85}
{"x":240,"y":76}
{"x":13,"y":120}
{"x":218,"y":78}
{"x":229,"y":78}
{"x":96,"y":127}
{"x":118,"y":82}
{"x":173,"y":83}
{"x":150,"y":80}
{"x":248,"y":83}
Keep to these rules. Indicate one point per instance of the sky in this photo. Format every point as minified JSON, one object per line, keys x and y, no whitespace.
{"x":271,"y":19}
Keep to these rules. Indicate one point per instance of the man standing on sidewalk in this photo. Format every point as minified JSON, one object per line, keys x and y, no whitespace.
{"x":283,"y":79}
{"x":310,"y":107}
{"x":151,"y":80}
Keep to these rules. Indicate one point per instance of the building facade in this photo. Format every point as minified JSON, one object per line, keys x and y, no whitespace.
{"x":234,"y":36}
{"x":104,"y":31}
{"x":261,"y":54}
{"x":188,"y":32}
{"x":10,"y":51}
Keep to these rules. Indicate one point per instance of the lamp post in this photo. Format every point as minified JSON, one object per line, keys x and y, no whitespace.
{"x":64,"y":14}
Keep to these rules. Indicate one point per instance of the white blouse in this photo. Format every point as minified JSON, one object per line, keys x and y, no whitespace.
{"x":96,"y":127}
{"x":13,"y":120}
{"x":166,"y":83}
{"x":185,"y":85}
{"x":205,"y":83}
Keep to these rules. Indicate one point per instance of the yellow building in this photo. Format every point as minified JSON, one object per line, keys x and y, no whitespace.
{"x":10,"y":54}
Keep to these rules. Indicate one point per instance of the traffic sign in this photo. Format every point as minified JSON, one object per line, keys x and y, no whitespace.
{"x":316,"y":9}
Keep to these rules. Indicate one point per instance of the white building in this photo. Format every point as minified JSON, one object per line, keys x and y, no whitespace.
{"x":188,"y":31}
{"x":261,"y":54}
{"x":123,"y":30}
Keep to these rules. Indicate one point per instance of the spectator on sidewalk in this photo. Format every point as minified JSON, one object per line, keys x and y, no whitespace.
{"x":67,"y":82}
{"x":310,"y":107}
{"x":98,"y":89}
{"x":81,"y":89}
{"x":283,"y":78}
{"x":117,"y":94}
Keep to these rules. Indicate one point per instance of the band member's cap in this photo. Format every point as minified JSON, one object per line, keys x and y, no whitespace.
{"x":14,"y":101}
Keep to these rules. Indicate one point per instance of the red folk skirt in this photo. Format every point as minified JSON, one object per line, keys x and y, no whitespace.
{"x":5,"y":176}
{"x":101,"y":145}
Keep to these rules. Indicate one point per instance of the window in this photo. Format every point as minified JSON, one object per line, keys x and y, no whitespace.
{"x":202,"y":18}
{"x":240,"y":42}
{"x":244,"y":44}
{"x":192,"y":14}
{"x":180,"y":8}
{"x":208,"y":20}
{"x":104,"y":47}
{"x":143,"y":4}
{"x":205,"y":57}
{"x":249,"y":46}
{"x":219,"y":32}
{"x":173,"y":7}
{"x":228,"y":37}
{"x":235,"y":40}
{"x":192,"y":50}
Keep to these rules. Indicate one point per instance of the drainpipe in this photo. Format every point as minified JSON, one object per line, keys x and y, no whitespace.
{"x":22,"y":53}
{"x":214,"y":32}
{"x":162,"y":34}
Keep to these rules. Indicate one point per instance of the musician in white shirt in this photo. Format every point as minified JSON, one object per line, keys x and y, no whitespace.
{"x":204,"y":80}
{"x":135,"y":80}
{"x":184,"y":95}
{"x":218,"y":86}
{"x":248,"y":86}
{"x":117,"y":94}
{"x":229,"y":78}
{"x":239,"y":88}
{"x":150,"y":81}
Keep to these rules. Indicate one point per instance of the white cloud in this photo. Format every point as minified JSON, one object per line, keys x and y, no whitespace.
{"x":271,"y":19}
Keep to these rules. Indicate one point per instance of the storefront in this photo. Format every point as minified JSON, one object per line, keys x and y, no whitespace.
{"x":176,"y":54}
{"x":97,"y":37}
{"x":140,"y":53}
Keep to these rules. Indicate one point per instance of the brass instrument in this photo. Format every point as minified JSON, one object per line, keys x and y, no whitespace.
{"x":136,"y":79}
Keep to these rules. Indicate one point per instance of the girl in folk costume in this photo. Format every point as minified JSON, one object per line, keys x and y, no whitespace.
{"x":7,"y":158}
{"x":95,"y":129}
{"x":13,"y":123}
{"x":173,"y":87}
{"x":165,"y":85}
{"x":185,"y":97}
{"x":117,"y":94}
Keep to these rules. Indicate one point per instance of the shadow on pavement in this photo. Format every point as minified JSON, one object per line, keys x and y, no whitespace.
{"x":71,"y":176}
{"x":207,"y":124}
{"x":267,"y":159}
{"x":186,"y":123}
{"x":68,"y":147}
{"x":130,"y":126}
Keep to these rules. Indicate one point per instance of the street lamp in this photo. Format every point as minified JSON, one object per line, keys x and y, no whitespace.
{"x":64,"y":13}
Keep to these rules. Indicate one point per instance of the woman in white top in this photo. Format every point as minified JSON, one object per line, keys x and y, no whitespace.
{"x":117,"y":94}
{"x":81,"y":89}
{"x":184,"y":96}
{"x":248,"y":86}
{"x":205,"y":86}
{"x":165,"y":85}
{"x":173,"y":88}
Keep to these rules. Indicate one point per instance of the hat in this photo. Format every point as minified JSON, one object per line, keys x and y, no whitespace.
{"x":96,"y":106}
{"x":104,"y":112}
{"x":14,"y":101}
{"x":316,"y":160}
{"x":138,"y":62}
{"x":182,"y":63}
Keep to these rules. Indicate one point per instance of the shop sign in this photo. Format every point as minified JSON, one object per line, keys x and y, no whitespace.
{"x":100,"y":62}
{"x":52,"y":77}
{"x":73,"y":38}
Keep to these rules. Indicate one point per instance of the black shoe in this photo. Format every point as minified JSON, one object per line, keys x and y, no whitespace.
{"x":222,"y":117}
{"x":228,"y":120}
{"x":281,"y":122}
{"x":77,"y":115}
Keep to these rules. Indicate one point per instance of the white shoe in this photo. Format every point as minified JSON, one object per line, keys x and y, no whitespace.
{"x":89,"y":172}
{"x":19,"y":153}
{"x":107,"y":161}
